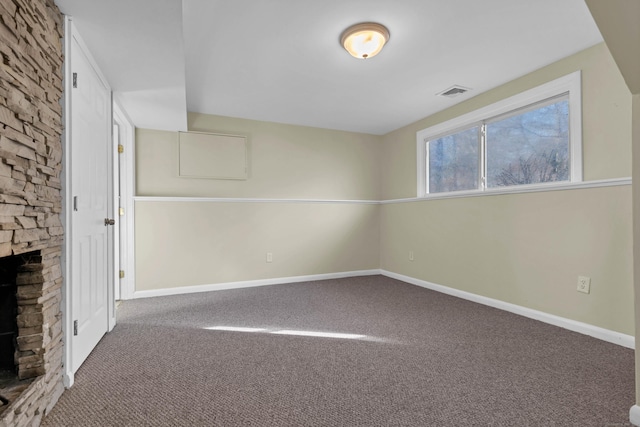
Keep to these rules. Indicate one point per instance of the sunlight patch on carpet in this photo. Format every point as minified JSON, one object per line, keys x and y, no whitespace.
{"x":299,"y":333}
{"x":320,"y":334}
{"x":235,"y":329}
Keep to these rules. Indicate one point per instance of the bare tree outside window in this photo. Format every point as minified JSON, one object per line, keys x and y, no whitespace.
{"x":529,"y":148}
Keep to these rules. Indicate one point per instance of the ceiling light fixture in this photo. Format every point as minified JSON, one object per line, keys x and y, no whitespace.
{"x":364,"y":40}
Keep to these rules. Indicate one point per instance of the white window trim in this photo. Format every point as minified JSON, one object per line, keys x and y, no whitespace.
{"x":570,"y":84}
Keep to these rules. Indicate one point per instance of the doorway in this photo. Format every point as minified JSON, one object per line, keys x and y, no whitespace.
{"x":124,"y":137}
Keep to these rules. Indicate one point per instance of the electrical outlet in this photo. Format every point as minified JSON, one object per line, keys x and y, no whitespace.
{"x":584,"y":284}
{"x":269,"y":257}
{"x":410,"y":255}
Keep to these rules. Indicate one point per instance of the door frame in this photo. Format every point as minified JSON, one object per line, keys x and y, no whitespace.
{"x":127,"y":192}
{"x":67,"y":172}
{"x":115,"y":161}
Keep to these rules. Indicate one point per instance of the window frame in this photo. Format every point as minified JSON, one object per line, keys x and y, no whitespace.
{"x":569,"y":85}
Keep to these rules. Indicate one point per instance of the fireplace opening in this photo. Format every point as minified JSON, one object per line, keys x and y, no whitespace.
{"x":8,"y":313}
{"x":10,"y":384}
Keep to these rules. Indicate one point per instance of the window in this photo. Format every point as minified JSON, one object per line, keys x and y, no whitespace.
{"x":531,"y":147}
{"x":454,"y":161}
{"x":533,"y":139}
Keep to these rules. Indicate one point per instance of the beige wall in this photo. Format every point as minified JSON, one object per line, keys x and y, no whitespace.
{"x":284,"y":162}
{"x":618,"y":21}
{"x":186,"y":244}
{"x":606,"y":121}
{"x":181,"y":243}
{"x":527,"y":249}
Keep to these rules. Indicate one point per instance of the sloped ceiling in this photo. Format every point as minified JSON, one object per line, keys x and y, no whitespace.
{"x":619,"y":23}
{"x":280,"y":60}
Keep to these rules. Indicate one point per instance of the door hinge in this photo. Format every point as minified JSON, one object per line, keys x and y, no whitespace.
{"x":75,"y":80}
{"x":121,"y":211}
{"x":120,"y":148}
{"x":75,"y":327}
{"x":122,"y":274}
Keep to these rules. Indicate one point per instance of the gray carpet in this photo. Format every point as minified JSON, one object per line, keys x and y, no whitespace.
{"x":426,"y":359}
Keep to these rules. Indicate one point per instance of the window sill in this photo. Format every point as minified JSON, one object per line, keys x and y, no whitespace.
{"x":517,"y":190}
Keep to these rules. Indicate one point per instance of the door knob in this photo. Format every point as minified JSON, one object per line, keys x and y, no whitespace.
{"x":109,"y":221}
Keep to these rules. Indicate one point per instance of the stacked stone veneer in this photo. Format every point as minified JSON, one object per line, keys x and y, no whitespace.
{"x":30,"y":201}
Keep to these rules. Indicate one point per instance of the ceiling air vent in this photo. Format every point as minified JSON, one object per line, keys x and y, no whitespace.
{"x":454,"y":91}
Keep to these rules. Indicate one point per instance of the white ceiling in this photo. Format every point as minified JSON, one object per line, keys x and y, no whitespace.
{"x":280,"y":60}
{"x":139,"y":48}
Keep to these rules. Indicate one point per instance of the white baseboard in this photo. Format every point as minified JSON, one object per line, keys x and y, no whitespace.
{"x":68,"y":379}
{"x":572,"y":325}
{"x":634,"y":415}
{"x":251,"y":283}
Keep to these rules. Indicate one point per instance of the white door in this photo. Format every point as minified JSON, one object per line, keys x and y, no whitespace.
{"x":91,"y":190}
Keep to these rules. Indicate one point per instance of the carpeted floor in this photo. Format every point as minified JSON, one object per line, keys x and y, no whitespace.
{"x":424,"y":359}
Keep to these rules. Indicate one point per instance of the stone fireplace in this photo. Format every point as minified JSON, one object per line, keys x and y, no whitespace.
{"x":30,"y":321}
{"x":31,"y":234}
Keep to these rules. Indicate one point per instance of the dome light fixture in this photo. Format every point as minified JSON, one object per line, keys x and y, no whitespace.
{"x":364,"y":40}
